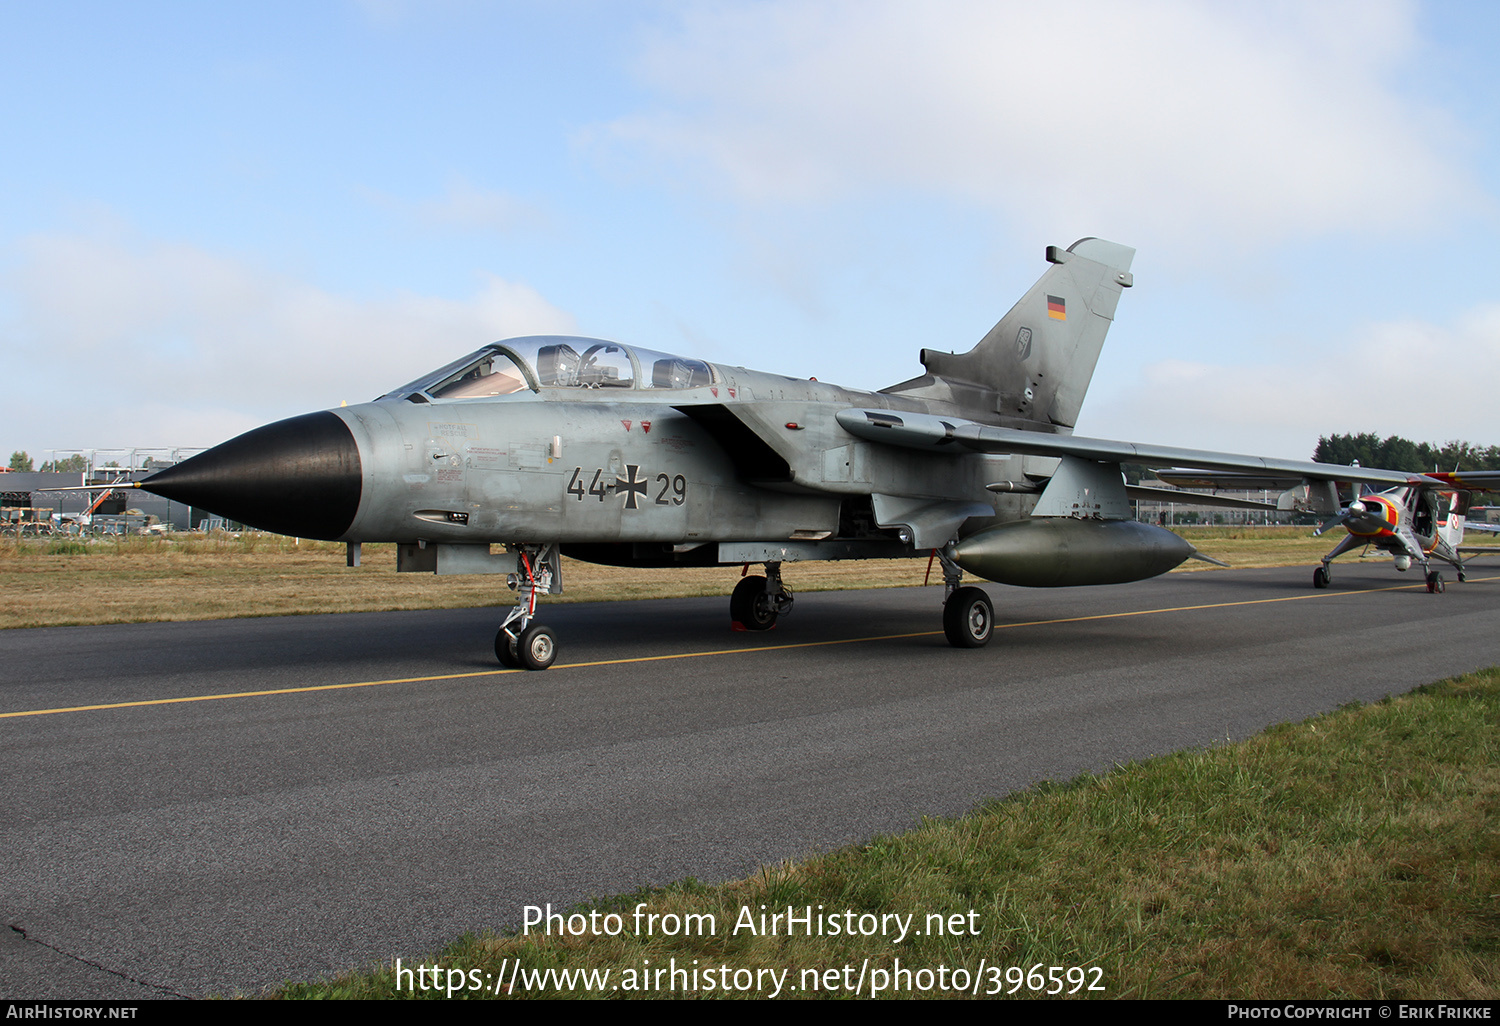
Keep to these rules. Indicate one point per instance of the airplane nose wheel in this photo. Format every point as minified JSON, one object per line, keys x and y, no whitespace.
{"x":1321,"y":577}
{"x":537,"y":647}
{"x":505,"y":650}
{"x":1435,"y":583}
{"x":534,"y":649}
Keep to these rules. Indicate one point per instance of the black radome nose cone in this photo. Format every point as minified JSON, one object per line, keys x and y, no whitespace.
{"x":299,"y":477}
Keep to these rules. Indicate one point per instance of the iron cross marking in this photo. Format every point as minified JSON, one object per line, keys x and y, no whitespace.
{"x":631,"y":488}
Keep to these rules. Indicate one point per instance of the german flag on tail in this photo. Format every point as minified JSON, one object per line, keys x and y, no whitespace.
{"x":1057,"y":308}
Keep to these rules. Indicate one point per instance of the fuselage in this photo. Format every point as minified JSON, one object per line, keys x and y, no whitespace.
{"x":590,"y":443}
{"x":1406,"y":522}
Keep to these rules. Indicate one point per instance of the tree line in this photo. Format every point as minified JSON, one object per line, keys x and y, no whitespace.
{"x":1397,"y":453}
{"x":75,"y":464}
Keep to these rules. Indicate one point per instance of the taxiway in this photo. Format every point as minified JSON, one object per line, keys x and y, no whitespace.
{"x":226,"y":805}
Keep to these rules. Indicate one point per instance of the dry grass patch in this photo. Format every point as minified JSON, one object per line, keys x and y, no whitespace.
{"x":1250,"y":547}
{"x":54,"y":582}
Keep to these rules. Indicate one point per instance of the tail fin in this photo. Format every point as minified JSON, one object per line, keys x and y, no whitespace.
{"x":1452,"y":530}
{"x":1035,"y":365}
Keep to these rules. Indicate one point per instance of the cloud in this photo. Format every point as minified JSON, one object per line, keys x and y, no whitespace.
{"x":1179,"y":119}
{"x":1393,"y":378}
{"x":116,"y":340}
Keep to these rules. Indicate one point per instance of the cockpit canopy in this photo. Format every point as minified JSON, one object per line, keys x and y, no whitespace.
{"x":535,"y":362}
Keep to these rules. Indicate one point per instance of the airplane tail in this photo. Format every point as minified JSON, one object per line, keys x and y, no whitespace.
{"x":1452,"y":530}
{"x":1035,"y":365}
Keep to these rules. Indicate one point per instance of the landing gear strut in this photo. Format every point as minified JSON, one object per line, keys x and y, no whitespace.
{"x":968,"y":615}
{"x":757,"y":601}
{"x":520,"y":643}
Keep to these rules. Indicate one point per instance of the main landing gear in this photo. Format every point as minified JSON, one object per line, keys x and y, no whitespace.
{"x":1435,"y":583}
{"x":968,"y":615}
{"x":758,"y":601}
{"x":520,"y":643}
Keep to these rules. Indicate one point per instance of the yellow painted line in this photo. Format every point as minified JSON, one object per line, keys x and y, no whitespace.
{"x":253,"y":694}
{"x":714,"y":652}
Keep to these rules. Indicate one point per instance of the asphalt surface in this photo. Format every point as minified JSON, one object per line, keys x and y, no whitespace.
{"x":224,"y":844}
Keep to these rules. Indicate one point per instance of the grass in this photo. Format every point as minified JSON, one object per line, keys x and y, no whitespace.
{"x":50,"y":582}
{"x":1355,"y":855}
{"x":1246,"y":547}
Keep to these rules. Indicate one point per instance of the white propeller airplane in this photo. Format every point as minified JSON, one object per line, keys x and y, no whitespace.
{"x":1419,"y":522}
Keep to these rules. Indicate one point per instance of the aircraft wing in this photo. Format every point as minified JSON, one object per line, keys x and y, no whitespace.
{"x":947,"y":434}
{"x":1470,"y":480}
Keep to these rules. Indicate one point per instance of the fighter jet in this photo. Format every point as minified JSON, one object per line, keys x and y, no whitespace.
{"x":1415,"y":523}
{"x":533,"y":448}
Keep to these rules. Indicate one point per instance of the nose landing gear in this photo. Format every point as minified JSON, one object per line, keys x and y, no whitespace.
{"x":520,"y":643}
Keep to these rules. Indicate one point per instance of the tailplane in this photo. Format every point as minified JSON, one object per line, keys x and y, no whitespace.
{"x":1035,"y":365}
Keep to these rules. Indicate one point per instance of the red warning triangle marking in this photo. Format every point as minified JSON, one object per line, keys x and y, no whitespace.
{"x":626,"y":423}
{"x":646,"y":426}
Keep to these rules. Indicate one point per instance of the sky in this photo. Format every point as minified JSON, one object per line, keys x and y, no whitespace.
{"x":213,"y":216}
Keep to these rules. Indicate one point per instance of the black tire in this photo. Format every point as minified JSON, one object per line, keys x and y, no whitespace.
{"x":750,"y":606}
{"x":1321,"y":577}
{"x":968,"y":618}
{"x":1435,"y":583}
{"x":536,"y":647}
{"x":505,"y":650}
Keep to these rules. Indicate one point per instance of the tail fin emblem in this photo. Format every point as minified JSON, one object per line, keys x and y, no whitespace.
{"x":1057,"y":308}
